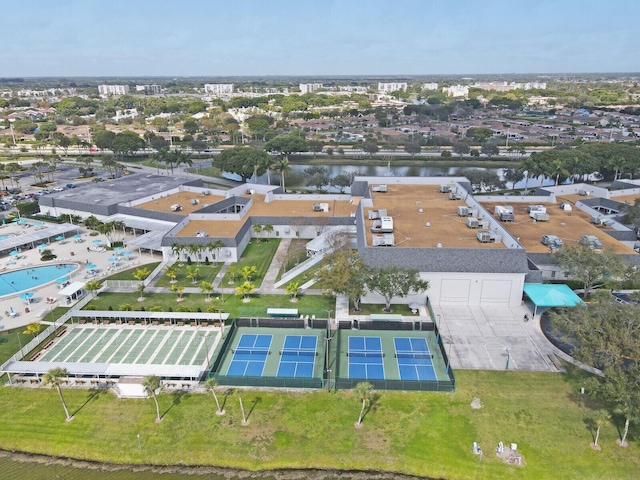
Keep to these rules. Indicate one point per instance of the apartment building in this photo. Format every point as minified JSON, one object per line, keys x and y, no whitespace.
{"x":113,"y":89}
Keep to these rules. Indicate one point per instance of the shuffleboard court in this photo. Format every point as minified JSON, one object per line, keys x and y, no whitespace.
{"x":130,"y":345}
{"x":298,"y":356}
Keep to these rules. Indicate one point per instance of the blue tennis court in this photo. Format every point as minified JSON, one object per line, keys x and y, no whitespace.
{"x":298,"y":356}
{"x":414,"y":359}
{"x":365,"y":358}
{"x":250,"y":356}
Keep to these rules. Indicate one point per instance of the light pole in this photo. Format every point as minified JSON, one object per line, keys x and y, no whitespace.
{"x":327,"y":339}
{"x":508,"y":350}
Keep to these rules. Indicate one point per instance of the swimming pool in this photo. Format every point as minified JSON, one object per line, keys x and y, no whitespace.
{"x":32,"y":277}
{"x":4,"y":237}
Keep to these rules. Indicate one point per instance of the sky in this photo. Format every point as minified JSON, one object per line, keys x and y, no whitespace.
{"x":97,"y":38}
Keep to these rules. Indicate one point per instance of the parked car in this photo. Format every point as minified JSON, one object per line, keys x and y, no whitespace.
{"x":58,"y":189}
{"x":70,"y":185}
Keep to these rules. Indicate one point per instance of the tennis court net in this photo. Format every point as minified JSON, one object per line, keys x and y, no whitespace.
{"x":251,"y":351}
{"x":299,"y":353}
{"x":362,"y":353}
{"x":414,"y":355}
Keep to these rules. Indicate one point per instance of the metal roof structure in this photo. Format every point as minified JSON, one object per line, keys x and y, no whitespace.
{"x":33,"y":237}
{"x":106,"y":369}
{"x":141,"y":223}
{"x":125,"y":315}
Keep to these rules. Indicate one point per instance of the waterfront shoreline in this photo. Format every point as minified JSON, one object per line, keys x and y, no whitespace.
{"x":197,"y":470}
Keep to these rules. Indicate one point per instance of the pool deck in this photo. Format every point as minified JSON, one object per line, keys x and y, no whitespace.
{"x":31,"y":258}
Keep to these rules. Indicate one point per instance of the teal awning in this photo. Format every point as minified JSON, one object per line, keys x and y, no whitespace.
{"x":551,"y":295}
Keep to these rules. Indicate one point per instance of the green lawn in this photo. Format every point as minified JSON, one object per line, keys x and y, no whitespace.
{"x":232,"y":304}
{"x":205,"y":273}
{"x":426,"y":434}
{"x":258,"y":253}
{"x":128,"y":274}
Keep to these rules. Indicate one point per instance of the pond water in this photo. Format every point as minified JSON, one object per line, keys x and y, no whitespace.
{"x":294,"y":178}
{"x":45,"y":469}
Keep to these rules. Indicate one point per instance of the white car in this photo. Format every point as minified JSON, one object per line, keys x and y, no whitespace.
{"x":58,"y":189}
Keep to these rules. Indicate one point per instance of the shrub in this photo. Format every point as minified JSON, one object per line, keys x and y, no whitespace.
{"x":110,"y":308}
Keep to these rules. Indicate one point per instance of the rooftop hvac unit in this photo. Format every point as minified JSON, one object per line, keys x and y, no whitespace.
{"x":540,"y":216}
{"x":551,"y":241}
{"x":454,"y":196}
{"x":473,"y":222}
{"x":584,"y":193}
{"x":383,"y":212}
{"x":320,"y":207}
{"x":506,"y":217}
{"x":483,"y":236}
{"x":464,"y":211}
{"x":566,"y":207}
{"x":379,"y":188}
{"x":195,"y":201}
{"x":176,"y":207}
{"x":201,"y":233}
{"x":445,"y":188}
{"x":536,"y":208}
{"x":591,"y":242}
{"x":206,"y":192}
{"x":251,"y":191}
{"x":598,"y":221}
{"x":373,"y":214}
{"x":385,"y":240}
{"x":502,"y":209}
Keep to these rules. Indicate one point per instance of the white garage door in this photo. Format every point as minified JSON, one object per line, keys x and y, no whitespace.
{"x":495,"y":292}
{"x":455,"y":292}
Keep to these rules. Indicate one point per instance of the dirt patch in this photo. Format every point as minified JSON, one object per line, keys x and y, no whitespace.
{"x":510,"y":457}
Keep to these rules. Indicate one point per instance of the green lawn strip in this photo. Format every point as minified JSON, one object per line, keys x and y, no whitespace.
{"x":375,"y":308}
{"x":258,"y":254}
{"x":9,"y":343}
{"x":427,"y":434}
{"x":232,"y":304}
{"x":310,"y":274}
{"x":128,"y":274}
{"x":205,"y":273}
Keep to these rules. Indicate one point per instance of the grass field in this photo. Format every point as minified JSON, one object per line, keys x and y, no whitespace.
{"x":232,"y":304}
{"x":205,"y":273}
{"x":427,"y":434}
{"x":258,"y":253}
{"x":128,"y":274}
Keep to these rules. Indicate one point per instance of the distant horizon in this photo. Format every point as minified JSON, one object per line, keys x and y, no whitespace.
{"x":328,"y":76}
{"x":202,"y":38}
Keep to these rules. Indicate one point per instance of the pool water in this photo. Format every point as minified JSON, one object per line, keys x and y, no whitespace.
{"x":32,"y":277}
{"x":4,"y":237}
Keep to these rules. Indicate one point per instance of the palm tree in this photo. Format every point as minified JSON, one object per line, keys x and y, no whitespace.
{"x":180,"y":157}
{"x":232,"y":271}
{"x":192,"y":274}
{"x":282,"y":166}
{"x":54,"y":377}
{"x":245,"y":289}
{"x":93,"y":286}
{"x":268,"y":229}
{"x":292,"y":290}
{"x":172,"y":273}
{"x":176,"y":249}
{"x":179,"y":289}
{"x":151,"y":384}
{"x":206,"y":287}
{"x":215,"y":246}
{"x":556,"y":169}
{"x":364,"y":391}
{"x":269,"y":163}
{"x":248,"y":272}
{"x":211,"y":385}
{"x":257,"y":229}
{"x":601,"y":417}
{"x":245,"y":421}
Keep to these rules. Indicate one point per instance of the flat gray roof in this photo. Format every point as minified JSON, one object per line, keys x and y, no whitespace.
{"x":35,"y":236}
{"x":117,"y":191}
